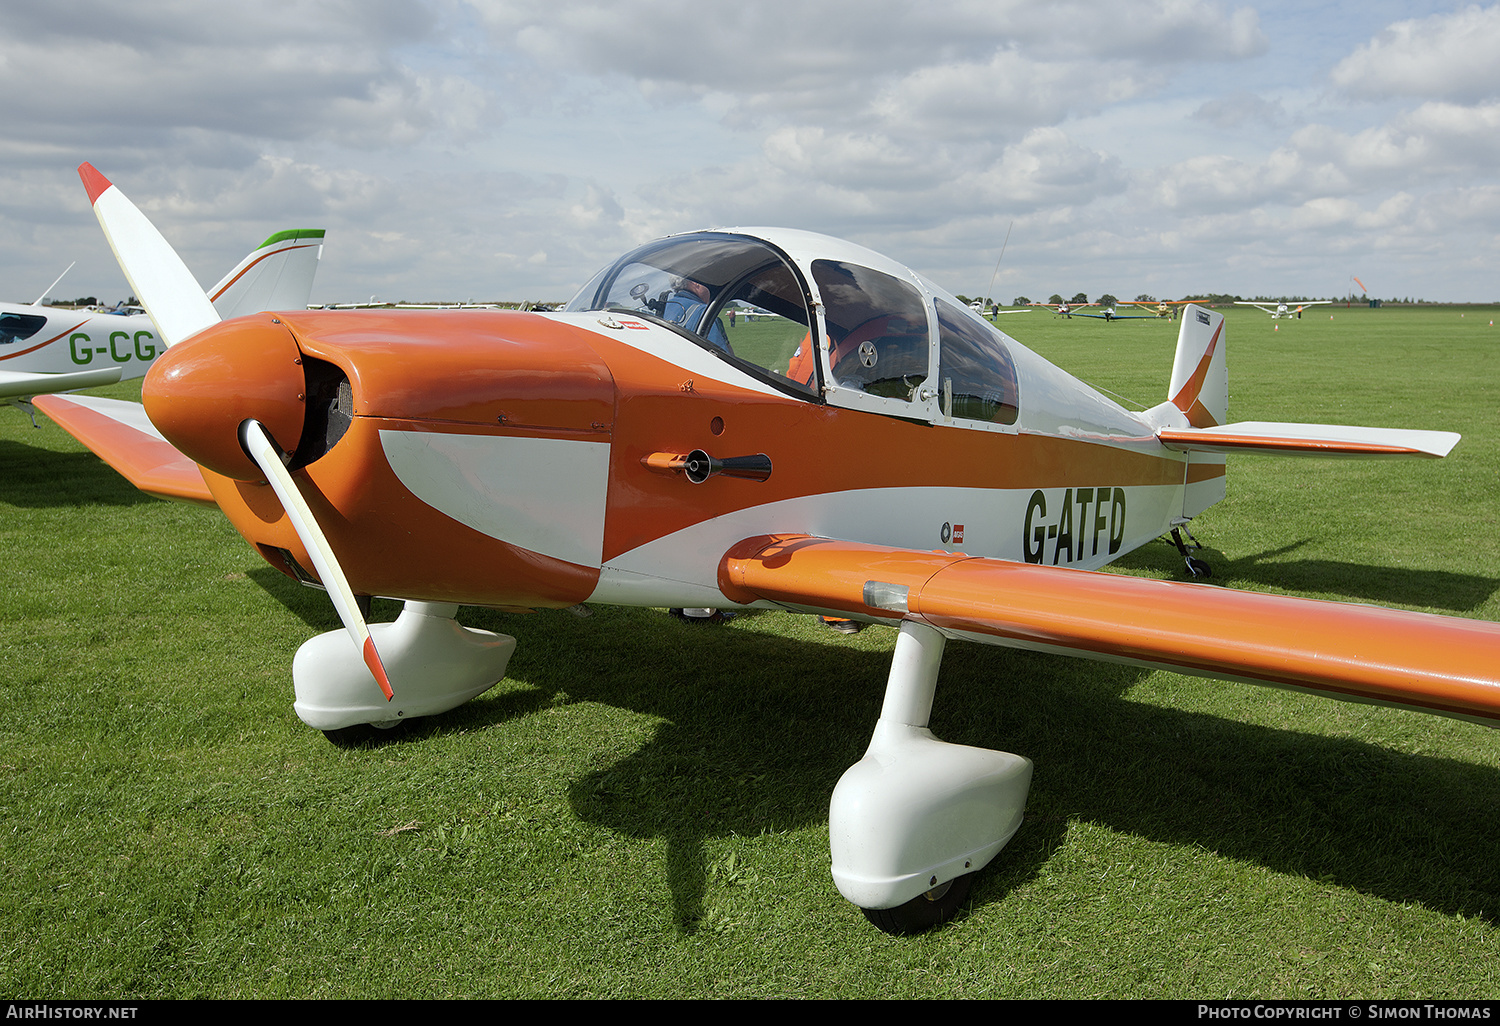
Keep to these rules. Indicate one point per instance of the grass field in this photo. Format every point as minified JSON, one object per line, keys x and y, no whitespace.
{"x":640,"y":809}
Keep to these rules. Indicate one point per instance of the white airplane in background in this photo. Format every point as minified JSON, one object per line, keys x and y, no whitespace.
{"x":1280,"y":309}
{"x":51,"y":349}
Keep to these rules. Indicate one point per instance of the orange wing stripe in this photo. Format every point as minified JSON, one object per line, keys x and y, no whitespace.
{"x":1327,"y":447}
{"x":1440,"y":664}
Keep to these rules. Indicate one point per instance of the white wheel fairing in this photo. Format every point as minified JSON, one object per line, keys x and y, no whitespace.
{"x":542,"y":494}
{"x":435,"y":663}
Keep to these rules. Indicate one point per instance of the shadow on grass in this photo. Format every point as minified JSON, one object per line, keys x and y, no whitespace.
{"x":40,"y":478}
{"x":312,"y":605}
{"x":760,"y":727}
{"x":1433,"y":589}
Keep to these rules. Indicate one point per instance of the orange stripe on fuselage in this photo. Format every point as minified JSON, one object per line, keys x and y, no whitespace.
{"x":482,"y":373}
{"x":39,"y":345}
{"x":816,"y":449}
{"x":1204,"y":472}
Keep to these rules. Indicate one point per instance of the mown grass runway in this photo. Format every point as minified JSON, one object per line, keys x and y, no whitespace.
{"x":640,"y":809}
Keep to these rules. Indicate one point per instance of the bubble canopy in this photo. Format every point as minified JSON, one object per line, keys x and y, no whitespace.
{"x":708,"y":284}
{"x":755,"y":304}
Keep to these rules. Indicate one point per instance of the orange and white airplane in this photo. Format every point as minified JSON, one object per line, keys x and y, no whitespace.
{"x":1163,"y":309}
{"x":53,"y":349}
{"x":915,"y":467}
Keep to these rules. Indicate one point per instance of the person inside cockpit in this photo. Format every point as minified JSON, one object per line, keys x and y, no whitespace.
{"x":685,"y":304}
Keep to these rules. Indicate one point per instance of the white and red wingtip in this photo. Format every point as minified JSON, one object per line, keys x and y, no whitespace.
{"x":93,"y":181}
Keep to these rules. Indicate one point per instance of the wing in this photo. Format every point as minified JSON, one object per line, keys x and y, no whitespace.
{"x":123,"y":437}
{"x":20,"y":385}
{"x":1276,"y":439}
{"x":1443,"y":665}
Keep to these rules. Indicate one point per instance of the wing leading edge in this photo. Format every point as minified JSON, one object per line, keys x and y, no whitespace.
{"x":121,"y":435}
{"x":1439,"y":664}
{"x":21,"y":384}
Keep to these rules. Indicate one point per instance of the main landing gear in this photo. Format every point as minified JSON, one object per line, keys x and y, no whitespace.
{"x":1196,"y":566}
{"x":916,"y":818}
{"x":434,"y":665}
{"x":702,"y":617}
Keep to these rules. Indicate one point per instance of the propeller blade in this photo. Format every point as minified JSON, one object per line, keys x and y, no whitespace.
{"x":162,"y":282}
{"x":263,"y":451}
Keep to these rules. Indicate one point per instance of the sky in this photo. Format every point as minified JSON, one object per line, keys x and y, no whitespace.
{"x":507,"y":149}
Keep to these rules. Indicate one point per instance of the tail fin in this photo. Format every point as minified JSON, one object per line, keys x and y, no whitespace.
{"x":1199,"y":394}
{"x":1200,"y":374}
{"x":276,"y":276}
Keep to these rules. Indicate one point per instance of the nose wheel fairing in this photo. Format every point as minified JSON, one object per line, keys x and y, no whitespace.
{"x":434,"y":664}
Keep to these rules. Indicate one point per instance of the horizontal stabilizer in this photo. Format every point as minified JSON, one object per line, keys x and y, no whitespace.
{"x":121,"y":435}
{"x":16,"y":384}
{"x":1440,"y":664}
{"x":1333,"y":440}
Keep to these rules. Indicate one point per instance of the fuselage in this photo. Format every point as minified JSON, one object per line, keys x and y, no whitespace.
{"x":506,"y":460}
{"x":48,"y":340}
{"x":525,"y":459}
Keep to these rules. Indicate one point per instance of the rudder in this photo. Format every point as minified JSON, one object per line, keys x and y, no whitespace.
{"x":1200,"y":389}
{"x":1200,"y":374}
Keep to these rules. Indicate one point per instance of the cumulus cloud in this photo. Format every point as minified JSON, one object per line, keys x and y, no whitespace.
{"x":1443,"y":57}
{"x":841,"y":57}
{"x":285,"y":70}
{"x":1048,"y":168}
{"x":519,"y":144}
{"x":1009,"y":92}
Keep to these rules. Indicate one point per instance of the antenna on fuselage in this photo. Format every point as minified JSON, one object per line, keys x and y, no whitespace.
{"x":49,"y":288}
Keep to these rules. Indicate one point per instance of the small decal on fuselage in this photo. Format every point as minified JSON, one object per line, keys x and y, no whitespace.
{"x":1079,"y":524}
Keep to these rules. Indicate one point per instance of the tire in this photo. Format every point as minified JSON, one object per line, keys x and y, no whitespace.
{"x":714,"y":619}
{"x":925,"y":910}
{"x":366,"y":735}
